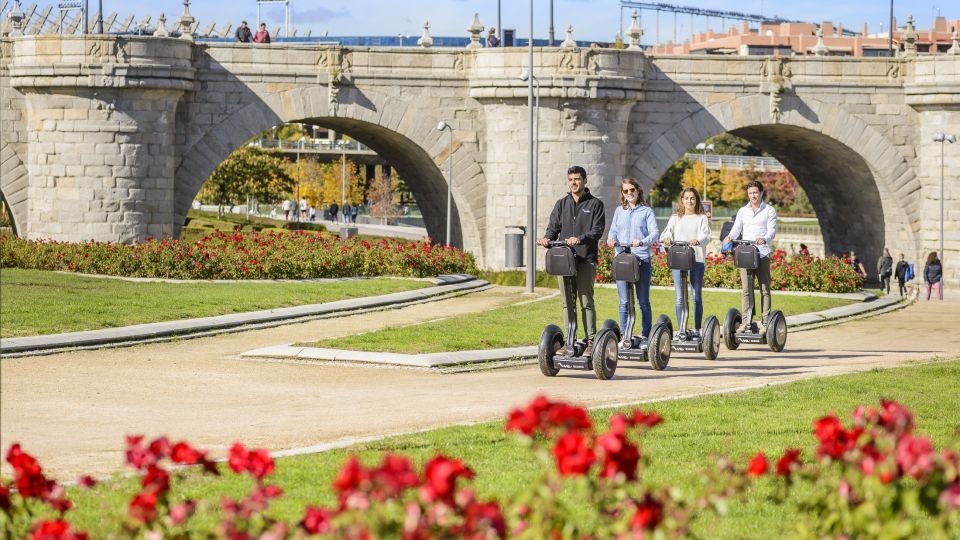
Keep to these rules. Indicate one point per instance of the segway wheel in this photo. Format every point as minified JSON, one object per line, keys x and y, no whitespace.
{"x":711,"y":338}
{"x":612,"y":325}
{"x":658,"y":352}
{"x":777,"y":331}
{"x":605,"y":354}
{"x":730,"y":324}
{"x":551,"y":341}
{"x":665,"y":320}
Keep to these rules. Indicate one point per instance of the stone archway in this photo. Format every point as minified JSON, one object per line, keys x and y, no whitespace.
{"x":402,"y":134}
{"x":865,"y":193}
{"x":13,"y":186}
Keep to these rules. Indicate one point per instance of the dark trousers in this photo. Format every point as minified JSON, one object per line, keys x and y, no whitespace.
{"x":583,"y":289}
{"x":903,"y":287}
{"x":885,"y":282}
{"x":762,"y":274}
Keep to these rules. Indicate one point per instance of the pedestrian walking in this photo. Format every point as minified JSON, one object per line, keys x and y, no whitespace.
{"x":354,"y":210}
{"x":885,"y":269}
{"x":303,"y":209}
{"x":262,"y":36}
{"x":933,"y":275}
{"x":334,"y":210}
{"x":244,"y":35}
{"x":901,"y":272}
{"x":313,"y":213}
{"x":857,"y":265}
{"x":286,"y":210}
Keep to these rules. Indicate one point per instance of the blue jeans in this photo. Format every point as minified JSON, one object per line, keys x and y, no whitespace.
{"x":696,"y":283}
{"x":642,"y":289}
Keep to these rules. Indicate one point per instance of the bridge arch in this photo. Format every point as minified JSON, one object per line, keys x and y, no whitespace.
{"x":13,"y":186}
{"x":865,"y":193}
{"x":402,"y":134}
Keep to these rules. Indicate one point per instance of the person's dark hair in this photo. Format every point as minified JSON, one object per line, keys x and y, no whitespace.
{"x":932,"y":258}
{"x":243,"y":22}
{"x":697,"y":208}
{"x":754,"y":183}
{"x":576,"y":169}
{"x":633,"y":182}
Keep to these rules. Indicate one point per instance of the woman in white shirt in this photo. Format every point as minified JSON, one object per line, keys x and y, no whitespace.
{"x":690,"y":224}
{"x":635,"y":224}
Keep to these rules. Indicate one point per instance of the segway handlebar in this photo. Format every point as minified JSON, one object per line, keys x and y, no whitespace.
{"x":679,"y":243}
{"x":555,"y":243}
{"x":744,"y":242}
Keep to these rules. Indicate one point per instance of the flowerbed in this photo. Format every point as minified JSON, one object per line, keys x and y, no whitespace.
{"x":787,"y":272}
{"x":220,"y":255}
{"x":873,"y":478}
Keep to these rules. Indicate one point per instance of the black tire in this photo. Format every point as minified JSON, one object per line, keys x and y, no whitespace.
{"x":777,"y":331}
{"x":665,"y":320}
{"x":604,"y":355}
{"x":551,"y":341}
{"x":730,"y":324}
{"x":658,"y":350}
{"x":613,"y":325}
{"x":711,"y":338}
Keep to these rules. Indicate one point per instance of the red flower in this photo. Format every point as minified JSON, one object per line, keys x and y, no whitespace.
{"x":895,"y":418}
{"x":87,"y":481}
{"x":316,"y":520}
{"x":156,"y":480}
{"x":950,"y":498}
{"x":834,"y":439}
{"x":393,"y":476}
{"x":648,"y":515}
{"x":29,"y":477}
{"x":545,"y":416}
{"x":758,"y":465}
{"x":441,"y":474}
{"x":482,"y":518}
{"x":784,"y":464}
{"x":620,"y":456}
{"x":650,"y":419}
{"x":352,"y":475}
{"x":180,"y":512}
{"x":573,"y":454}
{"x":56,"y":529}
{"x":143,"y":507}
{"x":915,"y":456}
{"x":260,"y":464}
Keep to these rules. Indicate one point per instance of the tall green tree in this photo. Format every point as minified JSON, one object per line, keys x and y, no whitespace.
{"x":247,"y":174}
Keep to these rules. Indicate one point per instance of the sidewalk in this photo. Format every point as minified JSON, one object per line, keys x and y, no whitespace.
{"x":446,"y":285}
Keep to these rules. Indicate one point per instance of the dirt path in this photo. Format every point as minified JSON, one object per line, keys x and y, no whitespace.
{"x":72,"y":410}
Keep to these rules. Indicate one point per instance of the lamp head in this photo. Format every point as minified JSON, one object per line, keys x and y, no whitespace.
{"x":951,"y":138}
{"x":701,"y":146}
{"x":441,"y":125}
{"x":710,"y":147}
{"x":525,"y":75}
{"x":939,"y":137}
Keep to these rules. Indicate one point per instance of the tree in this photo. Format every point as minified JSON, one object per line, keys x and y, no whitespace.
{"x":332,"y":183}
{"x":247,"y":173}
{"x":731,"y":145}
{"x":667,"y":188}
{"x":381,"y":196}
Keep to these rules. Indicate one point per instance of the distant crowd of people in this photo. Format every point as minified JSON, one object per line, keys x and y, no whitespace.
{"x":347,"y":213}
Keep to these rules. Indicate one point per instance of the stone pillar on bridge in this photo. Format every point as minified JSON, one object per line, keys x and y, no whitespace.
{"x":100,"y":122}
{"x":935,"y":94}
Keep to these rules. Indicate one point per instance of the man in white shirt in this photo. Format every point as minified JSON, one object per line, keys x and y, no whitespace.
{"x":758,"y":222}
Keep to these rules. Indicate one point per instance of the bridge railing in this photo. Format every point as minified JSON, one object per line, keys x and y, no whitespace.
{"x":716,"y":161}
{"x":312,"y":145}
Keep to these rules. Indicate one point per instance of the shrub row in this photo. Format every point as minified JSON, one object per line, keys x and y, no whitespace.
{"x":253,"y":255}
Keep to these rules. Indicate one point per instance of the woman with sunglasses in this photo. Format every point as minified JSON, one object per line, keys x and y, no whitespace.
{"x":689,"y":224}
{"x":634,"y":224}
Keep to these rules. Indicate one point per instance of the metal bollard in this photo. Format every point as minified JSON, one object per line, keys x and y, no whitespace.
{"x":513,"y":257}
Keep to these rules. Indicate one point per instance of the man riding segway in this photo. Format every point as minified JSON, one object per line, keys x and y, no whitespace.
{"x":578,"y":220}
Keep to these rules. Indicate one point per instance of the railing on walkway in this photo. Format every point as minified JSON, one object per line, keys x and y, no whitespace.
{"x":716,"y":161}
{"x":314,"y":146}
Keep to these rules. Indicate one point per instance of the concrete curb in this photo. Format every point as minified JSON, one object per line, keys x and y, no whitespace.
{"x":142,"y":333}
{"x":797,"y":323}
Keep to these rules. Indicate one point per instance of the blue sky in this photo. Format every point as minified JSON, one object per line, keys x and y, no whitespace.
{"x":592,"y":19}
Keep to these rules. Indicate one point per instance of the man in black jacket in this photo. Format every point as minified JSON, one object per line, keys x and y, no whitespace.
{"x":578,"y":220}
{"x":244,"y":35}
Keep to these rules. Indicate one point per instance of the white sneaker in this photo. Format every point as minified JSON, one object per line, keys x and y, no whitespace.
{"x":743,"y":327}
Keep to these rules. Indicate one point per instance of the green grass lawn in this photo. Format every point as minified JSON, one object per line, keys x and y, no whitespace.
{"x":735,"y":425}
{"x":41,"y":302}
{"x":519,"y":325}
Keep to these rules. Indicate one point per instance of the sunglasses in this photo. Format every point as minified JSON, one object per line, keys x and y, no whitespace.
{"x":630,"y":190}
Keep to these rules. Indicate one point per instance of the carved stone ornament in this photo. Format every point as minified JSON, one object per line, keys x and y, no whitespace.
{"x":161,"y":30}
{"x":775,"y":99}
{"x":569,"y":43}
{"x":893,"y":72}
{"x":570,"y":117}
{"x":458,"y":62}
{"x":634,"y":32}
{"x":475,"y":30}
{"x":121,"y":54}
{"x":333,"y":90}
{"x":425,"y":40}
{"x":593,"y":61}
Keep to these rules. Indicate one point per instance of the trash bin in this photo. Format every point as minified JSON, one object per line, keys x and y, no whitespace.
{"x":348,"y":232}
{"x":513,"y":257}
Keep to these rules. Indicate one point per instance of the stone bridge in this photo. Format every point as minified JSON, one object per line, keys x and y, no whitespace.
{"x":110,"y":138}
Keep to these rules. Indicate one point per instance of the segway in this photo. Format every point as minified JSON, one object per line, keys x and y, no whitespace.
{"x":747,"y":256}
{"x":681,"y":256}
{"x":610,"y":347}
{"x":554,"y":352}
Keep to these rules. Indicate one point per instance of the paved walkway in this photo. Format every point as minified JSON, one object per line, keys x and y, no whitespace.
{"x":73,"y":409}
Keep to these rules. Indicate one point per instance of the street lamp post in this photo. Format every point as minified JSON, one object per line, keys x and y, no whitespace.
{"x":704,"y":148}
{"x":531,"y":186}
{"x":440,"y":127}
{"x":524,"y":75}
{"x":942,"y":138}
{"x":296,"y":205}
{"x":343,"y":179}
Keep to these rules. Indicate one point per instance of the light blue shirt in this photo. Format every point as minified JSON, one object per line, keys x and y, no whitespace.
{"x":637,"y":223}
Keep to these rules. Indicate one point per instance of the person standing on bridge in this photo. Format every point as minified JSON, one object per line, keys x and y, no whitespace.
{"x":262,"y":35}
{"x":492,"y":39}
{"x":578,"y":220}
{"x":244,"y":35}
{"x":758,"y":222}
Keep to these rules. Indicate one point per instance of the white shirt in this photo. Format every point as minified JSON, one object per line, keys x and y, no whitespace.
{"x":687,"y":228}
{"x":761,"y":223}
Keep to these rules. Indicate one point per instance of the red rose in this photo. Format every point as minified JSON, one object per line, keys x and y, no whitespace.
{"x":895,"y":418}
{"x":351,"y":476}
{"x":648,"y":515}
{"x":619,"y":455}
{"x":915,"y":456}
{"x":316,"y":520}
{"x":784,"y":464}
{"x":259,"y":463}
{"x":650,"y":419}
{"x":156,"y":480}
{"x":573,"y":454}
{"x":758,"y":465}
{"x":481,"y":519}
{"x":87,"y":481}
{"x":394,"y":475}
{"x":180,"y":512}
{"x":56,"y":529}
{"x":143,"y":507}
{"x":950,"y":498}
{"x":441,"y":474}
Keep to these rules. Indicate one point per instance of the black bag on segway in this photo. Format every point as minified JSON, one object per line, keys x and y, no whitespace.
{"x":746,"y":256}
{"x":560,"y":262}
{"x":626,"y":267}
{"x":681,"y":258}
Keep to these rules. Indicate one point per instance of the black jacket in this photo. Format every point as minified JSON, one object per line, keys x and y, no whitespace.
{"x":902,"y":270}
{"x":244,"y":35}
{"x":584,"y":219}
{"x":933,"y":272}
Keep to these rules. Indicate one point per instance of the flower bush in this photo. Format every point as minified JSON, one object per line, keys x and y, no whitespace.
{"x":787,"y":272}
{"x":872,"y":479}
{"x":220,"y":255}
